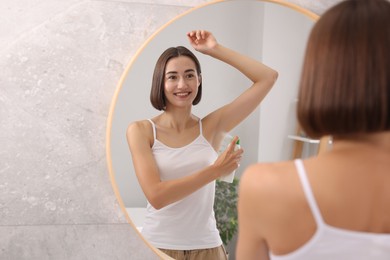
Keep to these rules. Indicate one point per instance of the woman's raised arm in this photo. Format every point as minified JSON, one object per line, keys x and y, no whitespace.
{"x":262,"y":76}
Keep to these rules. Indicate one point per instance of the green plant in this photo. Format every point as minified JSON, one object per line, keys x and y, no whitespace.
{"x":225,"y":208}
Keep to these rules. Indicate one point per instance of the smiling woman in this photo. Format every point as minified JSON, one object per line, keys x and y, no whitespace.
{"x":183,"y":72}
{"x":269,"y":31}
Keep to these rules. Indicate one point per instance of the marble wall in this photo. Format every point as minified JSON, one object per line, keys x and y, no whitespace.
{"x":60,"y":64}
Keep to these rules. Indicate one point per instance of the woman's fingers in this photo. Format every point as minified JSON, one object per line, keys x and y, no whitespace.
{"x":198,"y":34}
{"x":231,"y":150}
{"x":230,"y":159}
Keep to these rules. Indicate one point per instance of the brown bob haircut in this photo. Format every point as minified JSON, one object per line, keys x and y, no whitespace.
{"x":345,"y":81}
{"x":157,"y":96}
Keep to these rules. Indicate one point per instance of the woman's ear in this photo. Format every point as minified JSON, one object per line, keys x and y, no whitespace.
{"x":200,"y":79}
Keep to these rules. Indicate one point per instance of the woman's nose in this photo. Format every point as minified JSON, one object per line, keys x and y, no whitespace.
{"x":182,"y":83}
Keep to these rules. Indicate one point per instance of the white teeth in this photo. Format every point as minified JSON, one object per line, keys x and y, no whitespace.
{"x":182,"y":94}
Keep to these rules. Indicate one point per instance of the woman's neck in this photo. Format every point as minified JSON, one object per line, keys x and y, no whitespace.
{"x":178,"y":120}
{"x":379,"y":142}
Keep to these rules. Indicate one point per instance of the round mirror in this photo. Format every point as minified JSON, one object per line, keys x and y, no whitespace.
{"x":274,"y":32}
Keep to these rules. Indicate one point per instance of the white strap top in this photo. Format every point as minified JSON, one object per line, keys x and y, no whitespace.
{"x":189,"y":223}
{"x":336,"y":243}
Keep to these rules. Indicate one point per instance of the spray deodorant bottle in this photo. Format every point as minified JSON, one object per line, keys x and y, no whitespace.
{"x":229,"y":178}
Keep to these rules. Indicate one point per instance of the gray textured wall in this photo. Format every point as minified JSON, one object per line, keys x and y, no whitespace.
{"x":60,"y":64}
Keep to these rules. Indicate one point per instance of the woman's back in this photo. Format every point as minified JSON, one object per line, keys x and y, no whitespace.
{"x":353,"y":184}
{"x":350,"y":185}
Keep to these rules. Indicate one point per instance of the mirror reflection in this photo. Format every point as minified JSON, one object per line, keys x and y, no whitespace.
{"x":272,"y":33}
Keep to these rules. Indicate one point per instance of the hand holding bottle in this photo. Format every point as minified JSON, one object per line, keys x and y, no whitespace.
{"x":230,"y":177}
{"x":229,"y":159}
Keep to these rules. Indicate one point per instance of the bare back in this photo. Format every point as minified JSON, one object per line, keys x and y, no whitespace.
{"x":350,"y":186}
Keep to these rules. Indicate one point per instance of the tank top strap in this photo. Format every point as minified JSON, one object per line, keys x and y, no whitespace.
{"x":200,"y":127}
{"x":154,"y":128}
{"x":308,"y":192}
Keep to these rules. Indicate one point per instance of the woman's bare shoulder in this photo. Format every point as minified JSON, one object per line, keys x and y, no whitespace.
{"x":269,"y":173}
{"x":140,"y":125}
{"x":139,"y":130}
{"x":270,"y":181}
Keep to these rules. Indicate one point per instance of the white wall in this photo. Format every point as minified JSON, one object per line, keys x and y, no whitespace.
{"x":284,"y":45}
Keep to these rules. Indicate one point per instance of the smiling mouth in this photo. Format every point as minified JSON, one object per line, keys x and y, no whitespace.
{"x":182,"y":94}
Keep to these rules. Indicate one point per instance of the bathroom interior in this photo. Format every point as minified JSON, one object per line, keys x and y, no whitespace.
{"x":75,"y":74}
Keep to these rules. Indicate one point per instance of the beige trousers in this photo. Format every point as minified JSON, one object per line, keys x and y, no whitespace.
{"x":216,"y":253}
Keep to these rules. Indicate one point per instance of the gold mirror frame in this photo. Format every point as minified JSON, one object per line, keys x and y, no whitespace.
{"x":283,"y":3}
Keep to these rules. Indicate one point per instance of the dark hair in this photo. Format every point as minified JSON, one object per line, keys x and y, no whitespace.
{"x":157,"y":96}
{"x":345,"y":81}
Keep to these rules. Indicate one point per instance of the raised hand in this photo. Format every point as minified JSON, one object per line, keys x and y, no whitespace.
{"x":202,"y":40}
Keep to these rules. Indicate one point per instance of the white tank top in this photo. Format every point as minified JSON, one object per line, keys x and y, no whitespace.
{"x":336,"y":243}
{"x":189,"y":223}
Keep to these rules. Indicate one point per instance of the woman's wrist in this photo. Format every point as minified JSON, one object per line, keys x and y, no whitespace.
{"x":213,"y":172}
{"x":213,"y":51}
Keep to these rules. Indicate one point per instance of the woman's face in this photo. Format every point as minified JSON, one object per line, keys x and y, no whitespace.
{"x":181,"y":82}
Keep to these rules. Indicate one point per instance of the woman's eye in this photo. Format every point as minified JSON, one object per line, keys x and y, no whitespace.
{"x":171,"y":77}
{"x":190,"y":76}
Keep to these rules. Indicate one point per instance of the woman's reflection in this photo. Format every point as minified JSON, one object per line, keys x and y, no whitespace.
{"x":174,"y":154}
